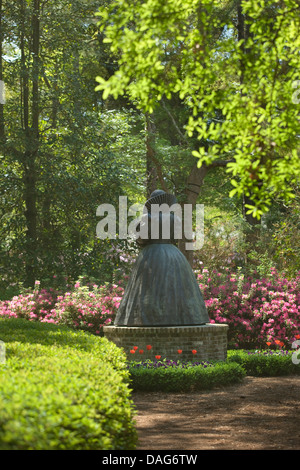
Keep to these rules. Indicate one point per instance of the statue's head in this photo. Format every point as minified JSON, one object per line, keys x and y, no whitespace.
{"x":157,"y":192}
{"x":160,"y":197}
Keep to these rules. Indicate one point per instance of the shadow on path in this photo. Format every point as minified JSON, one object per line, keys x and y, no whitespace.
{"x":259,"y":414}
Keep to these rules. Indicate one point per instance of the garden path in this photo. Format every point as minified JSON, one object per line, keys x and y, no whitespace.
{"x":258,"y":414}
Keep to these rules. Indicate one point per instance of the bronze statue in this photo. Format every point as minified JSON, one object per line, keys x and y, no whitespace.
{"x":162,"y":289}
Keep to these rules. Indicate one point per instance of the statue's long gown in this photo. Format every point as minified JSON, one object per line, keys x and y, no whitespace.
{"x":162,"y":290}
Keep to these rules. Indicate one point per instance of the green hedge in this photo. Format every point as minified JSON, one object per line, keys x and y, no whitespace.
{"x":62,"y":389}
{"x":265,"y":363}
{"x":168,"y":377}
{"x":177,"y":379}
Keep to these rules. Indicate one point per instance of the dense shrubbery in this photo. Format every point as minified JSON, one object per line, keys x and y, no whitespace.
{"x":84,"y":306}
{"x":170,"y":377}
{"x":88,"y":308}
{"x":32,"y":305}
{"x":176,"y":376}
{"x":62,"y":390}
{"x":258,"y":310}
{"x":266,"y":363}
{"x":66,"y":389}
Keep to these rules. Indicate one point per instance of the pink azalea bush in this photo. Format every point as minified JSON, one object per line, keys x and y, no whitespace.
{"x":35,"y":305}
{"x":260,"y":312}
{"x":85,"y":307}
{"x":257,"y":310}
{"x":88,"y":308}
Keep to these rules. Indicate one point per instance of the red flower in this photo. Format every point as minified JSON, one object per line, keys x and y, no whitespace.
{"x":141,"y":351}
{"x":297,"y":336}
{"x":194,"y":351}
{"x":135,"y":348}
{"x":179,"y":351}
{"x":148,"y":347}
{"x":132,"y":351}
{"x":157,"y":357}
{"x":268,"y":343}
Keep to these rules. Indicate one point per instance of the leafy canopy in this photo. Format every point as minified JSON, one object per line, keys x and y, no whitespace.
{"x":240,"y":89}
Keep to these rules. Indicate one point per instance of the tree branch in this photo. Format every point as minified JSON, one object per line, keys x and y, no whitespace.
{"x":173,"y":121}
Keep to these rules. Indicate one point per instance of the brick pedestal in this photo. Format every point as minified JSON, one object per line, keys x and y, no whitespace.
{"x":209,"y":340}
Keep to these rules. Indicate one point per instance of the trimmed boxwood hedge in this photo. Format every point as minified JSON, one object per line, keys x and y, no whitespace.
{"x":62,"y":389}
{"x":268,"y":363}
{"x":169,"y":376}
{"x":178,"y":379}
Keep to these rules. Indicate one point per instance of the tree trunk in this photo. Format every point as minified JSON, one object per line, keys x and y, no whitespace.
{"x":151,"y":161}
{"x":24,"y":77}
{"x":248,"y":217}
{"x":192,"y":191}
{"x":193,"y":188}
{"x":32,"y":140}
{"x":2,"y":129}
{"x":35,"y":70}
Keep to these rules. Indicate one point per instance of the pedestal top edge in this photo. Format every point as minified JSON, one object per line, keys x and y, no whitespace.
{"x":166,"y":327}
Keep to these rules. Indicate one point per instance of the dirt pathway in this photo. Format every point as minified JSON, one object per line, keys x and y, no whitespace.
{"x":259,"y":414}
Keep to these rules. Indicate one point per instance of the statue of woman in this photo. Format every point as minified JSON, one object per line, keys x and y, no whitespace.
{"x":162,"y":289}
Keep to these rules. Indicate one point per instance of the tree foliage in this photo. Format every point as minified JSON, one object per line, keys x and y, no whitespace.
{"x":60,"y":153}
{"x":211,"y":80}
{"x":234,"y":65}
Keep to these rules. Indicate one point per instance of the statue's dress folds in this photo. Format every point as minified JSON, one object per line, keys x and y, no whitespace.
{"x":162,"y":289}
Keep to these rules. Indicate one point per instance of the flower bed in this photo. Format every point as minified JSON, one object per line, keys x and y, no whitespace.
{"x":257,"y":310}
{"x":166,"y":363}
{"x":83,"y":307}
{"x":173,"y":376}
{"x":267,"y":363}
{"x":177,"y":376}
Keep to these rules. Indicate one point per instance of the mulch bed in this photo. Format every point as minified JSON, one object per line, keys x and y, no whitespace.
{"x":258,"y":414}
